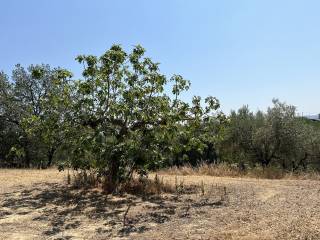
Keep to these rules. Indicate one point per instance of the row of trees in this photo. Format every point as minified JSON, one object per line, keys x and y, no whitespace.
{"x":277,"y":137}
{"x":119,"y":119}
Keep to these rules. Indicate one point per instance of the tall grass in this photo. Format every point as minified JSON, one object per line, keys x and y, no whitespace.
{"x":227,"y":170}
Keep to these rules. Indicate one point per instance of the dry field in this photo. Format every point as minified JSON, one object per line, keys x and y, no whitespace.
{"x":40,"y":205}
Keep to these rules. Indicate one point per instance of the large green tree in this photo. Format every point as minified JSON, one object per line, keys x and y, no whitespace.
{"x":121,"y":119}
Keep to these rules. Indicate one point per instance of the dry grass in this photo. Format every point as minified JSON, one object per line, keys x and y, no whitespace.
{"x":147,"y":186}
{"x":19,"y":178}
{"x":218,"y":170}
{"x":226,"y":170}
{"x":138,"y":185}
{"x":40,"y":205}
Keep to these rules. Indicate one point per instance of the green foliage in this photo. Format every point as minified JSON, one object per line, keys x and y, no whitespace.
{"x":277,"y":137}
{"x":23,"y":112}
{"x":120,"y":118}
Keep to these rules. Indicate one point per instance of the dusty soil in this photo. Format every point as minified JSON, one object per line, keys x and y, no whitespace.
{"x":40,"y":205}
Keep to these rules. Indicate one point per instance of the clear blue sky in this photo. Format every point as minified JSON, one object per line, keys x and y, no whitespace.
{"x":243,"y":52}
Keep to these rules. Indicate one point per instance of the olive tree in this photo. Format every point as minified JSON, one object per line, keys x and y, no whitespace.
{"x":277,"y":137}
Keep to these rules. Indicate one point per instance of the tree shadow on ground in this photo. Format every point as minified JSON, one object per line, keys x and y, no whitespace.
{"x":64,"y":208}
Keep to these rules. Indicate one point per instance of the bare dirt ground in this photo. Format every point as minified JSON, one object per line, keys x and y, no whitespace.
{"x":40,"y":205}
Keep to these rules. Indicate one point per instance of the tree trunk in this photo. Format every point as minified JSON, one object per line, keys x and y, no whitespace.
{"x":302,"y":163}
{"x":112,"y":177}
{"x":50,"y":156}
{"x":27,"y":158}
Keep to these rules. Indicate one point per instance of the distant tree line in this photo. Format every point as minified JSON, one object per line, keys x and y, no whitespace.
{"x":276,"y":138}
{"x":119,"y":119}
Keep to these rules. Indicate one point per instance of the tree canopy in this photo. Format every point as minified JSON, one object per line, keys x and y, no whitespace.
{"x":121,"y":118}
